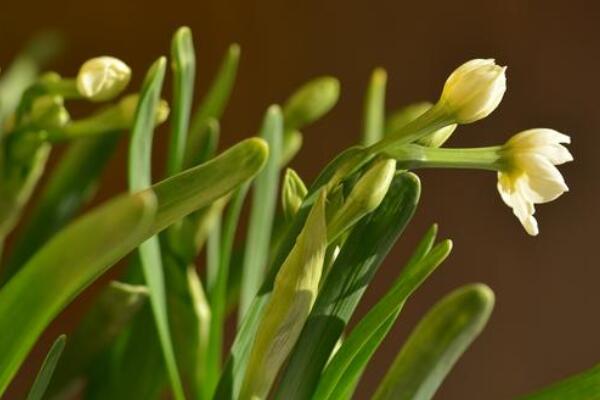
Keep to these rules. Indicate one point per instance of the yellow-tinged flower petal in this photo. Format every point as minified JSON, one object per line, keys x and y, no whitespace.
{"x":102,"y":78}
{"x":529,"y":175}
{"x":474,"y":90}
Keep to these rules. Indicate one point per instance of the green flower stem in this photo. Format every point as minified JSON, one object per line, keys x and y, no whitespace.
{"x":412,"y":156}
{"x":432,"y":120}
{"x":66,"y":88}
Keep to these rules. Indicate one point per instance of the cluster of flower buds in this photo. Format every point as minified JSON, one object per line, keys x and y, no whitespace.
{"x":526,"y":164}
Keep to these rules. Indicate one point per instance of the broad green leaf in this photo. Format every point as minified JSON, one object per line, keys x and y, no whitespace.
{"x":344,"y":370}
{"x":358,"y":261}
{"x":264,"y":202}
{"x":583,"y":386}
{"x":71,"y":184}
{"x":53,"y":277}
{"x":111,"y":312}
{"x":213,"y":103}
{"x":294,"y":293}
{"x":67,"y":264}
{"x":374,"y":108}
{"x":184,"y":71}
{"x":140,"y":177}
{"x":436,"y":343}
{"x":45,"y":374}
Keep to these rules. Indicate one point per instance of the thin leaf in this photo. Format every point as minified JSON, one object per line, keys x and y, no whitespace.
{"x":213,"y":103}
{"x":583,"y":386}
{"x":374,"y":108}
{"x":140,"y":164}
{"x":358,"y":261}
{"x":184,"y":71}
{"x":344,"y":369}
{"x":45,"y":374}
{"x":436,"y":343}
{"x":264,"y":201}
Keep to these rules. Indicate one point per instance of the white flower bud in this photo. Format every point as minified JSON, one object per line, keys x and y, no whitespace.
{"x":102,"y":78}
{"x":474,"y":90}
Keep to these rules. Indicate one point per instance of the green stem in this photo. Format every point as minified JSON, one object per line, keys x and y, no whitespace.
{"x":412,"y":156}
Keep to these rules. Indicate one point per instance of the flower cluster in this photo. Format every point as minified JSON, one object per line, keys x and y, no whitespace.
{"x":525,"y":164}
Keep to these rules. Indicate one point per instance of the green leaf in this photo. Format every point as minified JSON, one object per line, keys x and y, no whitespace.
{"x":233,"y":373}
{"x":374,"y":108}
{"x":359,"y":259}
{"x":67,"y":264}
{"x":294,"y":293}
{"x":111,"y":312}
{"x":140,"y":168}
{"x":184,"y":71}
{"x":213,"y":103}
{"x":54,"y":277}
{"x":436,"y":343}
{"x":583,"y":386}
{"x":71,"y":185}
{"x":344,"y":369}
{"x":264,"y":201}
{"x":45,"y":374}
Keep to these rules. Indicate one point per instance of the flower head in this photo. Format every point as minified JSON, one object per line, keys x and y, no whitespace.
{"x":528,"y":175}
{"x":102,"y":78}
{"x":474,"y":90}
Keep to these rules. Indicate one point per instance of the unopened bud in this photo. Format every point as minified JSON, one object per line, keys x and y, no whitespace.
{"x":102,"y":78}
{"x":366,"y":195}
{"x":293,"y":193}
{"x":49,"y":112}
{"x":474,"y":90}
{"x":310,"y":102}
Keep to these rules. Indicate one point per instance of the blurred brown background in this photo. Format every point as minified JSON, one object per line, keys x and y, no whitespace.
{"x":546,"y":323}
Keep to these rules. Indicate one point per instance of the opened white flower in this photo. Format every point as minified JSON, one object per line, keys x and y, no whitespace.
{"x":528,"y":175}
{"x":474,"y":90}
{"x":102,"y":78}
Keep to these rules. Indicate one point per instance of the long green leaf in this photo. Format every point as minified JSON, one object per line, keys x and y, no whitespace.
{"x":344,"y":369}
{"x":140,"y":177}
{"x":53,"y":277}
{"x":436,"y":343}
{"x":45,"y":374}
{"x":359,"y":259}
{"x":62,"y":268}
{"x":213,"y":103}
{"x":71,"y":184}
{"x":583,"y":386}
{"x":184,"y":71}
{"x":264,"y":201}
{"x":374,"y":108}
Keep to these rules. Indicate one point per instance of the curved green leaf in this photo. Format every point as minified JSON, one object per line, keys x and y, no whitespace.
{"x":45,"y":374}
{"x":436,"y":343}
{"x":583,"y":386}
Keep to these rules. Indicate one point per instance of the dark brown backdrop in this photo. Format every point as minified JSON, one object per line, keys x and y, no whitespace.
{"x":546,"y":323}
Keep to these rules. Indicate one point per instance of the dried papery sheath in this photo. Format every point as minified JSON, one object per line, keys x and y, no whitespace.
{"x":294,"y":293}
{"x":103,"y":78}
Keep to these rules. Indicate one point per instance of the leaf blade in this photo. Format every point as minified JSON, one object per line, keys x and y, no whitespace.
{"x":45,"y":373}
